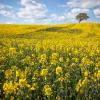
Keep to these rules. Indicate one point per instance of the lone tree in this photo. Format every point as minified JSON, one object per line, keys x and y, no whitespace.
{"x":82,"y":16}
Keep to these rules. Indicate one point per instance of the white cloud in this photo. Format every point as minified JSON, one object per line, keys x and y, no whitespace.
{"x":72,"y":14}
{"x":10,"y":22}
{"x":29,"y":21}
{"x":29,"y":9}
{"x":32,"y":9}
{"x":86,"y":4}
{"x":6,"y":11}
{"x":73,"y":7}
{"x":57,"y":18}
{"x":97,"y":12}
{"x":52,"y":18}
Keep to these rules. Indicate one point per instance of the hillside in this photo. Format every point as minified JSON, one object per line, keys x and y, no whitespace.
{"x":50,"y":62}
{"x":62,"y":31}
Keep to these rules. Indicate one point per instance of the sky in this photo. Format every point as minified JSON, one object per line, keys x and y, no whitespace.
{"x":47,"y":11}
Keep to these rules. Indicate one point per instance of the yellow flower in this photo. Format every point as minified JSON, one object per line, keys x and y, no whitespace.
{"x":85,"y":82}
{"x":15,"y":86}
{"x":47,"y":90}
{"x":8,"y":87}
{"x":58,"y":70}
{"x":18,"y":73}
{"x":86,"y":61}
{"x":54,"y":56}
{"x":44,"y":72}
{"x":43,"y":58}
{"x":61,"y":59}
{"x":98,"y":74}
{"x":22,"y":82}
{"x":97,"y":64}
{"x":86,"y":73}
{"x":28,"y":60}
{"x":61,"y":79}
{"x":76,"y":60}
{"x":12,"y":51}
{"x":76,"y":52}
{"x":91,"y":54}
{"x":8,"y":73}
{"x":78,"y":85}
{"x":33,"y":55}
{"x":22,"y":75}
{"x":34,"y":85}
{"x":54,"y":62}
{"x":46,"y":86}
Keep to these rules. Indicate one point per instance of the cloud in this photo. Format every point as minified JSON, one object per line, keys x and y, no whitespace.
{"x":72,"y":14}
{"x":29,"y":21}
{"x":52,"y":18}
{"x":73,"y":7}
{"x":10,"y":22}
{"x":97,"y":12}
{"x":56,"y":17}
{"x":32,"y":9}
{"x":85,"y":4}
{"x":6,"y":11}
{"x":28,"y":9}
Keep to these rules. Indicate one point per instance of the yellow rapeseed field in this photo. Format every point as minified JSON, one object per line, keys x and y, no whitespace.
{"x":50,"y":62}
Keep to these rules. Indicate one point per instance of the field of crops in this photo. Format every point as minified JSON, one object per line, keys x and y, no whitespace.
{"x":50,"y":62}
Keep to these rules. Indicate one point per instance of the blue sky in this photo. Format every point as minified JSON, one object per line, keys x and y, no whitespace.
{"x":47,"y":11}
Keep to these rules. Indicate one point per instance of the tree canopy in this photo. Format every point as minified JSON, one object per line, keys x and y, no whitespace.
{"x":82,"y":16}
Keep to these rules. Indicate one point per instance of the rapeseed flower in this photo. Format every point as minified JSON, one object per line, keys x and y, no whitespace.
{"x":78,"y":85}
{"x":58,"y":70}
{"x":44,"y":72}
{"x":8,"y":88}
{"x":22,"y":82}
{"x":86,"y":73}
{"x":47,"y":90}
{"x":12,"y":51}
